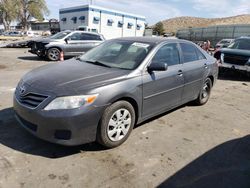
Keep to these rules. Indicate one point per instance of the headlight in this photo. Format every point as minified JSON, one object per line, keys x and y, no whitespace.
{"x":70,"y":102}
{"x":222,"y":57}
{"x":248,"y":63}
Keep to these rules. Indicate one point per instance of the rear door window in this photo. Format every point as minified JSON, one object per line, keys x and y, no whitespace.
{"x":200,"y":54}
{"x":189,"y":53}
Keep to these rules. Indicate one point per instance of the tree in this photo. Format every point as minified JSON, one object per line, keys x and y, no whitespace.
{"x":8,"y":12}
{"x":159,"y":28}
{"x":31,"y":8}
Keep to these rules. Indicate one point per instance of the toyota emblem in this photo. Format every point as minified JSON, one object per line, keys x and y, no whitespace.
{"x":22,"y":90}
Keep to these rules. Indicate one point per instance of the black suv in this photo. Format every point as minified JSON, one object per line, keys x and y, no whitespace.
{"x":236,"y":56}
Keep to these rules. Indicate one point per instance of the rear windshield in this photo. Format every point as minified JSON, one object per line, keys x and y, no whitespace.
{"x":241,"y":44}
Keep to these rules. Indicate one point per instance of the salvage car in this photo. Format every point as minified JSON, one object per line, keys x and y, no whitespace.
{"x":224,"y":43}
{"x":101,"y":95}
{"x":236,"y":56}
{"x":71,"y":43}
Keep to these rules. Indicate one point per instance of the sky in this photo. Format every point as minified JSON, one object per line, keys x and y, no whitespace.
{"x":159,"y":10}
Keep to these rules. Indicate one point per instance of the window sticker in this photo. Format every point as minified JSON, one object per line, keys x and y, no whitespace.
{"x":141,"y":45}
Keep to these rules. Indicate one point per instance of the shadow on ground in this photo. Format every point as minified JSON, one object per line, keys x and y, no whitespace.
{"x":225,"y":166}
{"x":235,"y":75}
{"x":31,"y":58}
{"x":36,"y":58}
{"x":12,"y":135}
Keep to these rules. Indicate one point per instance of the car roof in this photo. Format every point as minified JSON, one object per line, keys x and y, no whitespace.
{"x":152,"y":40}
{"x":244,"y":37}
{"x":226,"y":39}
{"x":78,"y":31}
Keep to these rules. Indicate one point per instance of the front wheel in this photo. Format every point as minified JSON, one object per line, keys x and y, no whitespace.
{"x":204,"y":92}
{"x":116,"y":124}
{"x":53,"y":54}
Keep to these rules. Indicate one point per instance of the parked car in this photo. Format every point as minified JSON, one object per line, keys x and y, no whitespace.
{"x":1,"y":32}
{"x":224,"y":43}
{"x":236,"y":56}
{"x":71,"y":43}
{"x":13,"y":33}
{"x":102,"y":94}
{"x":31,"y":34}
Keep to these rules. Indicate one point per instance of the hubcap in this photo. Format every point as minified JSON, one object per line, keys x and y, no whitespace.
{"x":119,"y":125}
{"x":54,"y":54}
{"x":205,"y":91}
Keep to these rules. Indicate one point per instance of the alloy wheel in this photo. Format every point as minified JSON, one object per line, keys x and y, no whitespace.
{"x":119,"y":125}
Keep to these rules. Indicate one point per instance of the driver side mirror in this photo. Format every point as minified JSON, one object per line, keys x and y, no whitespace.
{"x":67,"y":40}
{"x":157,"y":67}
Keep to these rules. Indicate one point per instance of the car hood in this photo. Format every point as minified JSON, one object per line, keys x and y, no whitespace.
{"x":72,"y":77}
{"x":235,"y":51}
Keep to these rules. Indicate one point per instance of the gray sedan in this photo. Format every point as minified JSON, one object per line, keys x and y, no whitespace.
{"x":71,"y":43}
{"x":104,"y":93}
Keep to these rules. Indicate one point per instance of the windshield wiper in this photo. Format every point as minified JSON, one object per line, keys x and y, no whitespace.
{"x":98,"y":63}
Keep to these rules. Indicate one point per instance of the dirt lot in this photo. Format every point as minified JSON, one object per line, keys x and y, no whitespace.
{"x":191,"y":146}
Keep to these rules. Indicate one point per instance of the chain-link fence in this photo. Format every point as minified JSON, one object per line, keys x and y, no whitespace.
{"x":214,"y":33}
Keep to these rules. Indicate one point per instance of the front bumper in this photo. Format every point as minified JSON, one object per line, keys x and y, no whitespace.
{"x":236,"y":67}
{"x":39,"y":52}
{"x":38,"y":48}
{"x":64,"y":127}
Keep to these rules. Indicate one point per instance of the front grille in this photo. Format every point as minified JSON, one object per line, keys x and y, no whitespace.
{"x":235,"y":59}
{"x":38,"y":45}
{"x":31,"y":100}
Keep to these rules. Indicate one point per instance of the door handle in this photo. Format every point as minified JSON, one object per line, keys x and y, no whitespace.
{"x":205,"y":65}
{"x":180,"y":73}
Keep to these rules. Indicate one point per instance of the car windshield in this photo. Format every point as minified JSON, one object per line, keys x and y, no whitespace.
{"x":60,"y":35}
{"x":118,"y":54}
{"x":242,"y":44}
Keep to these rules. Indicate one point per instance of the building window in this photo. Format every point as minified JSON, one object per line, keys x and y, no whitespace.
{"x":74,"y":19}
{"x":138,"y":26}
{"x":120,"y":24}
{"x":96,"y":20}
{"x":130,"y":25}
{"x":82,"y":19}
{"x":110,"y":22}
{"x":64,"y":19}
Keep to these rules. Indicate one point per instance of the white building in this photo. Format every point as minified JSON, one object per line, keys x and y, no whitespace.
{"x":110,"y":23}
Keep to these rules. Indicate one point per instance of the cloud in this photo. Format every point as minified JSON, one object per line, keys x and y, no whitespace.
{"x":154,"y":11}
{"x":222,"y":8}
{"x":158,"y":10}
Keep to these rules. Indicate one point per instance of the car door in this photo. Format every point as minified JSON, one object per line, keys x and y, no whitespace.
{"x":194,"y":69}
{"x":88,"y":41}
{"x":162,"y":90}
{"x":73,"y":44}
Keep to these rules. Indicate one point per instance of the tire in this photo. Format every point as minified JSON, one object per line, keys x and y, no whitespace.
{"x":112,"y":130}
{"x":53,"y":54}
{"x":204,"y":93}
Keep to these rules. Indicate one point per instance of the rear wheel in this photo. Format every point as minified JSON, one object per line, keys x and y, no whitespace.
{"x":53,"y":54}
{"x":204,"y":92}
{"x":116,"y":124}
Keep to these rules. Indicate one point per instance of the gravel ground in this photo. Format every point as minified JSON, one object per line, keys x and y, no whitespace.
{"x":207,"y":146}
